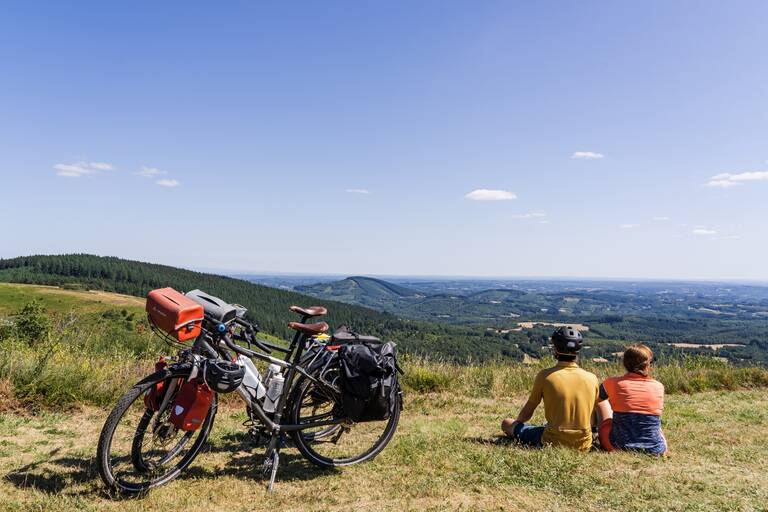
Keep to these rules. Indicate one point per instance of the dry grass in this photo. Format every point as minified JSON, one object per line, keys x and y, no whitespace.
{"x":8,"y":401}
{"x":14,"y":296}
{"x":444,"y":457}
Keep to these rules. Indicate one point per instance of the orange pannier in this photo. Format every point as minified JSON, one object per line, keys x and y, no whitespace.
{"x":174,"y":313}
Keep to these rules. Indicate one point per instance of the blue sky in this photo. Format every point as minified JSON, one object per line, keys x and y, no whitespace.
{"x":619,"y":139}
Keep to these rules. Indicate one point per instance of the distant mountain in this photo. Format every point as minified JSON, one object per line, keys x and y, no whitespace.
{"x":365,"y":291}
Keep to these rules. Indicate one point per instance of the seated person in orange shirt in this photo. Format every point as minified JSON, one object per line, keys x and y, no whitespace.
{"x":631,"y":406}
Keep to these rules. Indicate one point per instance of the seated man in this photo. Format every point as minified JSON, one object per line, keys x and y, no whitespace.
{"x":570,"y":394}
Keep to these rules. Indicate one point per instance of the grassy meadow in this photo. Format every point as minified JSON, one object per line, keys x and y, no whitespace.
{"x":57,"y":387}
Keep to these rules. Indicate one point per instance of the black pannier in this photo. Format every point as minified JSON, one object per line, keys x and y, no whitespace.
{"x":368,"y":377}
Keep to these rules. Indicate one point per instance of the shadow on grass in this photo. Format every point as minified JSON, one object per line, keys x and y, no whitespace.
{"x":55,"y":475}
{"x":63,"y":475}
{"x":293,"y":466}
{"x":495,"y":441}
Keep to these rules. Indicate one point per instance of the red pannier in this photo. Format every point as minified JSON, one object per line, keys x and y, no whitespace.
{"x":175,"y":314}
{"x":154,"y":396}
{"x":191,"y":405}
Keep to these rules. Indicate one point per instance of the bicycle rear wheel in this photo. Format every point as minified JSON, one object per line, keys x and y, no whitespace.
{"x":336,"y":445}
{"x":139,"y":449}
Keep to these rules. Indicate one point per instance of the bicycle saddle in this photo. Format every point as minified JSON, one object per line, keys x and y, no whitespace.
{"x":310,"y":312}
{"x":318,"y":328}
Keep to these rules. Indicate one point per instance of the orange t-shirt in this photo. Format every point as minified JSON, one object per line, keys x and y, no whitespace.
{"x":634,"y":393}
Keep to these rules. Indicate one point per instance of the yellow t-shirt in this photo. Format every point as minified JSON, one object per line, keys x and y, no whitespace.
{"x":570,"y":394}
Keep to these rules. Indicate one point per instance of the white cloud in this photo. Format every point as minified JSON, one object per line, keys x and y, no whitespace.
{"x":704,"y":232}
{"x":484,"y":194}
{"x":661,"y":219}
{"x":587,"y":155}
{"x":723,"y":183}
{"x":79,"y":169}
{"x":531,"y":215}
{"x":150,"y":172}
{"x":168,"y":183}
{"x":357,"y":191}
{"x":727,"y":179}
{"x":629,"y":226}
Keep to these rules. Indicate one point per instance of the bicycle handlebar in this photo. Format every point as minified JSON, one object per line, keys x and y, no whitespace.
{"x":237,"y":348}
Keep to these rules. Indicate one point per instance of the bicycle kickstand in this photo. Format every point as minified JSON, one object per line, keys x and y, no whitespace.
{"x":273,"y":474}
{"x":271,"y":461}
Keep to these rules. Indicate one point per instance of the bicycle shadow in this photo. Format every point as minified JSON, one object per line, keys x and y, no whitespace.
{"x":293,"y":466}
{"x":77,"y":476}
{"x":55,"y":475}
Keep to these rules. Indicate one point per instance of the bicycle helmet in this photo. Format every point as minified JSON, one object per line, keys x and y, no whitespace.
{"x":223,"y":376}
{"x":567,"y":340}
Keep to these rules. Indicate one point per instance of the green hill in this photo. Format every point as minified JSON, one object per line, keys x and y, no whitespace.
{"x":268,"y":307}
{"x":365,"y":291}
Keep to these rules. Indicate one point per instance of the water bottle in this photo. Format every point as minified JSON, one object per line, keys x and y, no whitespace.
{"x":273,"y":391}
{"x":252,"y":385}
{"x":271,"y":370}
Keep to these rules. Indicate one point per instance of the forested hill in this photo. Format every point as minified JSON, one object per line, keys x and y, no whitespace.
{"x":268,"y":306}
{"x":365,"y":291}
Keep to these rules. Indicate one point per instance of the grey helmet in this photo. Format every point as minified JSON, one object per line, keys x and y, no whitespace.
{"x":567,"y":340}
{"x":223,"y":376}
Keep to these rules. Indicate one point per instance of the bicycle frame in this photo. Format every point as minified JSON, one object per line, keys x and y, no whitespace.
{"x":291,"y":363}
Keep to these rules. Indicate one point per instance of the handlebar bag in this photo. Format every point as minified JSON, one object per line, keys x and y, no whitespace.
{"x":368,"y":380}
{"x":175,"y":314}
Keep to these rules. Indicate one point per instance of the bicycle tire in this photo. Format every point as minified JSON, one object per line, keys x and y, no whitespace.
{"x":305,"y":448}
{"x":116,"y":415}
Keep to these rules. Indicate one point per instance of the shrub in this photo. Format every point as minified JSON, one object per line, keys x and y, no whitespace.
{"x":32,"y":322}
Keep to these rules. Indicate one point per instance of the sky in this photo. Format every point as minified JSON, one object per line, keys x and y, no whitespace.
{"x":574,"y":139}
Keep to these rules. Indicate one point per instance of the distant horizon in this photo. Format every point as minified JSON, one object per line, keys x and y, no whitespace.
{"x":459,"y":277}
{"x":240,"y":273}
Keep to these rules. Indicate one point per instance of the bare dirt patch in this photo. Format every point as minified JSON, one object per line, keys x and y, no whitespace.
{"x":116,"y":299}
{"x":531,"y":325}
{"x":716,"y":346}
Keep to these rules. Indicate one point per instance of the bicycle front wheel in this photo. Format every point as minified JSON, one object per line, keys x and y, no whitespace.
{"x":139,"y":449}
{"x":337,"y":445}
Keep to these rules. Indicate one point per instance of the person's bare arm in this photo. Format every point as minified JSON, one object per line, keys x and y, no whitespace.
{"x":604,"y":411}
{"x":526,"y":413}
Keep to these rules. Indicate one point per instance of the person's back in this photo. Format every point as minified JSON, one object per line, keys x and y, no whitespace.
{"x":637,"y":402}
{"x":569,"y":393}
